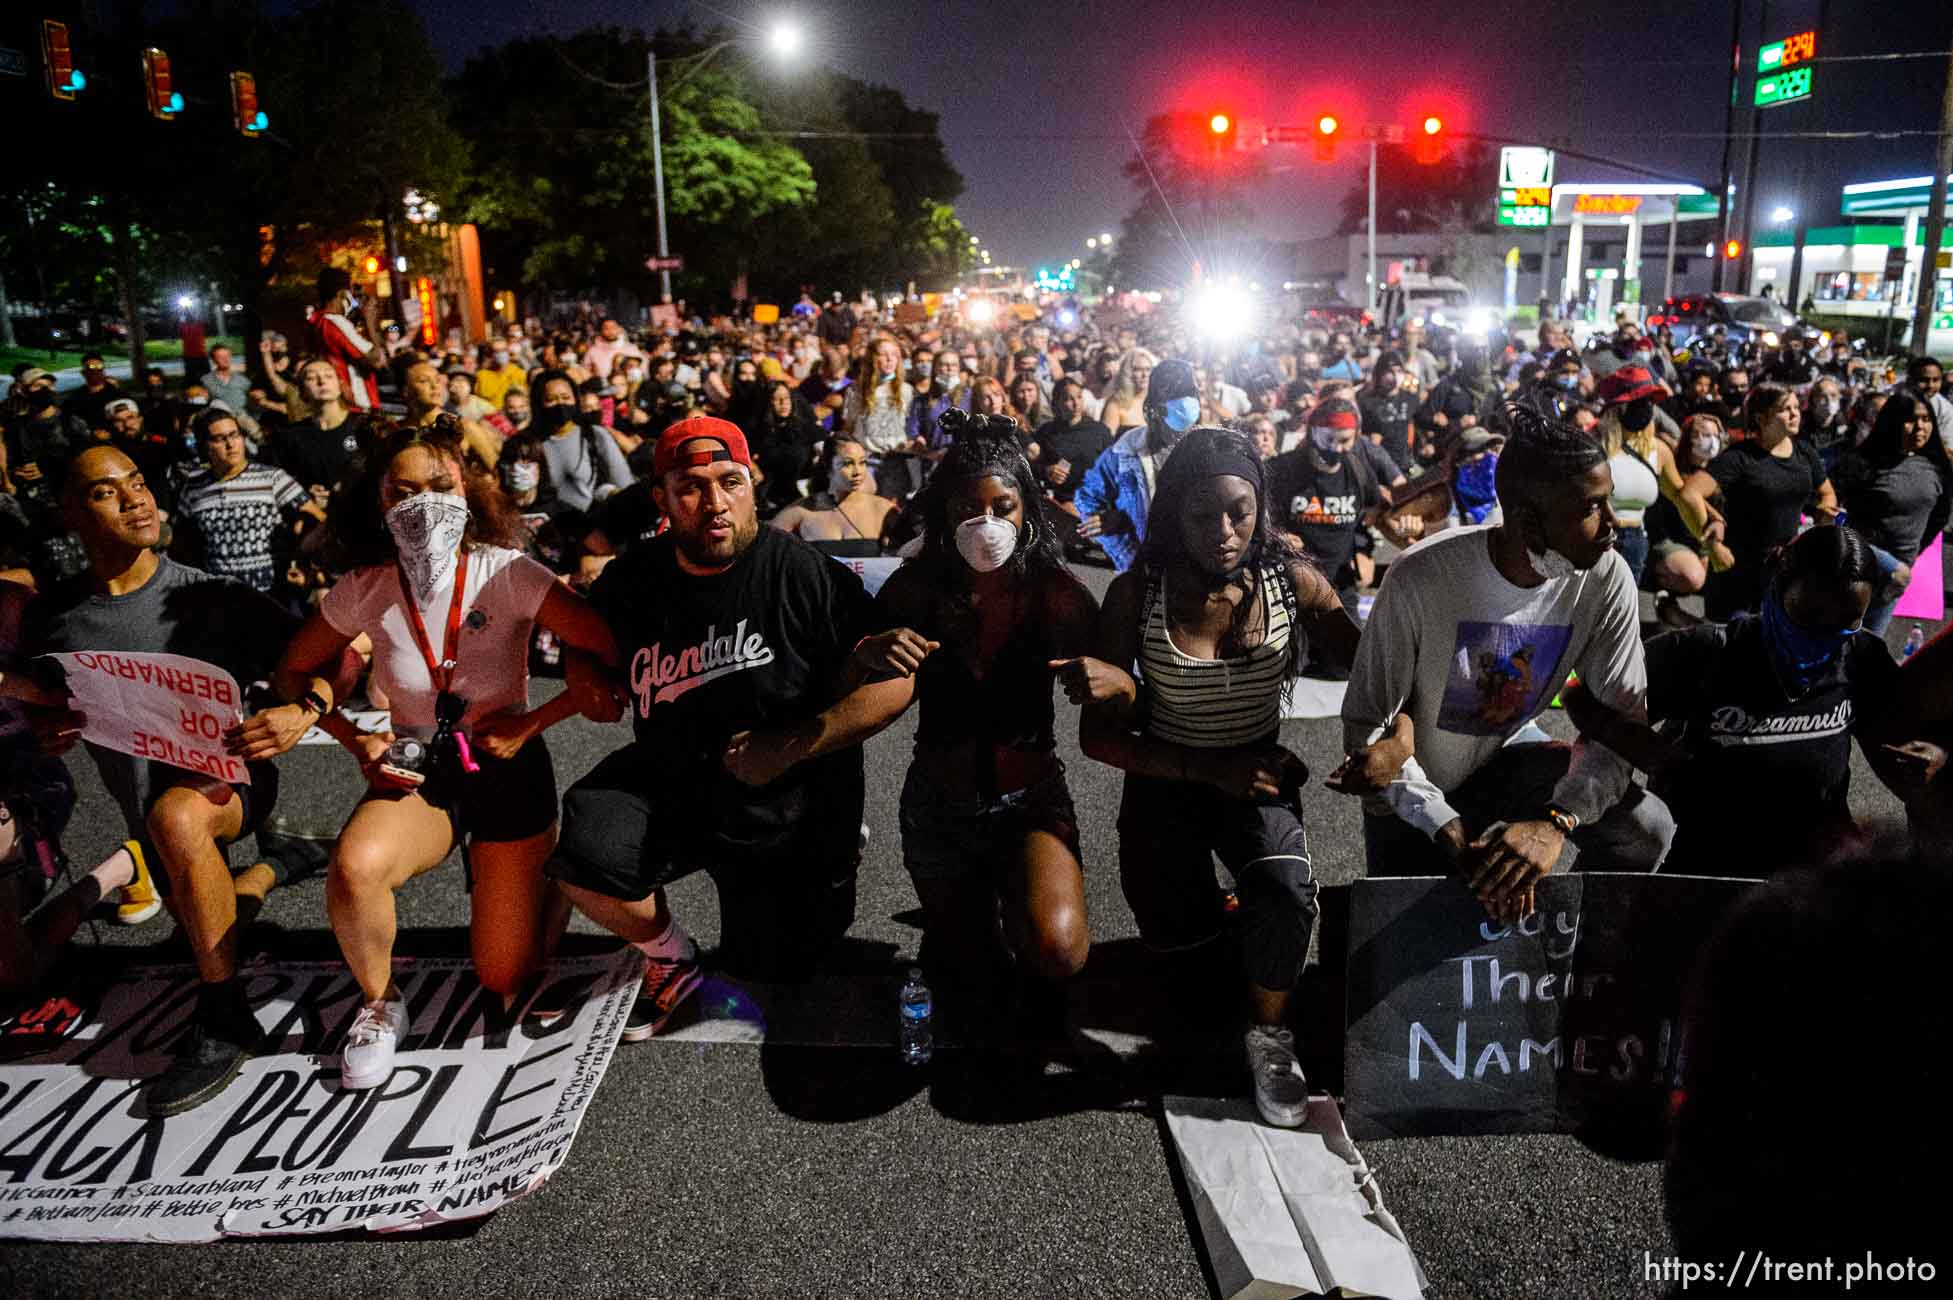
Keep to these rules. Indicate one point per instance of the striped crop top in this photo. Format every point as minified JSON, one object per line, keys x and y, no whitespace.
{"x":1215,"y":703}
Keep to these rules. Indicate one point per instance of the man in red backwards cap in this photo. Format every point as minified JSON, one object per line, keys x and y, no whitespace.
{"x":747,"y":759}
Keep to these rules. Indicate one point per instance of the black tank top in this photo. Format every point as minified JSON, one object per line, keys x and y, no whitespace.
{"x":1010,"y":705}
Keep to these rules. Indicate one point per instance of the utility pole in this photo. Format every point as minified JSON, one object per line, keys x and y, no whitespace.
{"x":1728,"y":141}
{"x":1371,"y":275}
{"x":1922,"y":310}
{"x":658,"y":173}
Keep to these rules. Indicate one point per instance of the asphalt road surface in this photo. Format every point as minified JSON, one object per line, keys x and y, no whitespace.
{"x":815,"y":1165}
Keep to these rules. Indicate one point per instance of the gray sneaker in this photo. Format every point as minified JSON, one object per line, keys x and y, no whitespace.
{"x":1281,"y":1091}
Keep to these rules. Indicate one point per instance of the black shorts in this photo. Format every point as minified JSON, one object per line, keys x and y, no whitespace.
{"x":628,"y":831}
{"x":508,"y":799}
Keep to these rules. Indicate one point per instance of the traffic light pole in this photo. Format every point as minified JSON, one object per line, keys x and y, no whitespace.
{"x":1371,"y":276}
{"x":1922,"y":309}
{"x":658,"y":174}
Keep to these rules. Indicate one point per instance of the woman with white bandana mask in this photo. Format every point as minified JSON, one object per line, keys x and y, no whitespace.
{"x":450,"y":606}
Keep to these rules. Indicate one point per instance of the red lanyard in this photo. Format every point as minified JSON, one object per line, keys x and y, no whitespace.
{"x":441,"y":670}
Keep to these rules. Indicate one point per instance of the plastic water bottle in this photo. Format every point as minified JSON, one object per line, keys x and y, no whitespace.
{"x":918,"y":1042}
{"x":1914,"y":639}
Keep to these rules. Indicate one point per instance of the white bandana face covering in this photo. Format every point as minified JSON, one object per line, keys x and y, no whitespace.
{"x":427,"y":529}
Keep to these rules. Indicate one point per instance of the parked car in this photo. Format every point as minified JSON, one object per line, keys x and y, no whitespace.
{"x":1744,"y":318}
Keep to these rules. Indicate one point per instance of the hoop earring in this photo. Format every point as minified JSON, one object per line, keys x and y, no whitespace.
{"x":1030,"y":534}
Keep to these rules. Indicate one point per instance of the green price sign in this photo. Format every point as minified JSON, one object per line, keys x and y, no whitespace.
{"x":1783,"y":88}
{"x":1536,"y":218}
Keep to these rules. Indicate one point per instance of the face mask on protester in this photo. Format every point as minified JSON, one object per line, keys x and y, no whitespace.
{"x":1181,"y":413}
{"x":1824,"y":409}
{"x":1327,"y":441}
{"x":1801,"y":656}
{"x":1474,"y":487}
{"x":923,"y":369}
{"x":1707,"y":446}
{"x":558,"y":414}
{"x":501,"y":358}
{"x":1638,"y":414}
{"x":427,"y":529}
{"x":569,"y":357}
{"x":520,"y":476}
{"x":1566,"y":383}
{"x":986,"y":543}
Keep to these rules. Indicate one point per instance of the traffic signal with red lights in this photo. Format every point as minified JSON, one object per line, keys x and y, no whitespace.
{"x":1732,"y":250}
{"x":1430,"y":139}
{"x":245,"y":112}
{"x":58,"y":60}
{"x":1221,"y":131}
{"x":164,"y":101}
{"x":1327,"y":127}
{"x":371,"y":265}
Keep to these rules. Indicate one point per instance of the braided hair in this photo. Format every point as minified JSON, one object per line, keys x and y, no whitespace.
{"x":1541,"y":453}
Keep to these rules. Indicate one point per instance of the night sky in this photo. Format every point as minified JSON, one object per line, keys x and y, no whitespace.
{"x":1035,"y":96}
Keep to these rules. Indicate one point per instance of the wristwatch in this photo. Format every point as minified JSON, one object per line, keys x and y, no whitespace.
{"x":312,"y":701}
{"x":1560,"y":817}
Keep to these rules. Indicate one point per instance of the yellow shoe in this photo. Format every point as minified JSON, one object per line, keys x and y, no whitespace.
{"x":139,"y":900}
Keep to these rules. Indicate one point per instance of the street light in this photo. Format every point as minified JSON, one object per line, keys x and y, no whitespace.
{"x":1106,"y":239}
{"x":784,"y":40}
{"x":1781,"y":215}
{"x":1092,"y":243}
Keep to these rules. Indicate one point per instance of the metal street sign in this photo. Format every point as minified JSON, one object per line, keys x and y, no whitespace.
{"x":1525,"y":166}
{"x":1783,"y":87}
{"x":1895,"y":265}
{"x":13,"y":62}
{"x":664,"y":263}
{"x":1778,"y":55}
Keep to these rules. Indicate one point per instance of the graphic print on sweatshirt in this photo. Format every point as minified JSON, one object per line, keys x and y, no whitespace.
{"x":1500,"y":673}
{"x":659,"y":678}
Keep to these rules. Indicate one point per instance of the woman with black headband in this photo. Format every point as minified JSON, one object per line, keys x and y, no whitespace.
{"x":1197,"y":644}
{"x":435,"y":580}
{"x":979,"y":620}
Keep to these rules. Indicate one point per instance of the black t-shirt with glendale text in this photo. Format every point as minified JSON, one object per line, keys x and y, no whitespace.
{"x":1323,"y":507}
{"x":1767,"y":776}
{"x":759,"y":647}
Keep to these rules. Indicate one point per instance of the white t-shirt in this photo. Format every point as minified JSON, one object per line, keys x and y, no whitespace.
{"x":505,"y":590}
{"x":1473,"y":659}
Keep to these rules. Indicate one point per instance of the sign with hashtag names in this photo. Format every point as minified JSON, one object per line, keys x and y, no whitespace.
{"x":480,"y":1110}
{"x":1568,"y":1021}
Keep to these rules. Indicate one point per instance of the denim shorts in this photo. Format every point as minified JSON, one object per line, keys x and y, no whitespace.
{"x":945,"y":835}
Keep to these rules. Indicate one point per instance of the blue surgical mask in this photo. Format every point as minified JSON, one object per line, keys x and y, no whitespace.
{"x":1181,"y":413}
{"x":1474,"y":488}
{"x":1566,"y":383}
{"x":1801,"y":656}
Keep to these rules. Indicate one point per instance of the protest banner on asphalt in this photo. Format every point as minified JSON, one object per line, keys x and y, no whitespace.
{"x":169,"y":708}
{"x":1569,"y":1020}
{"x":480,"y":1109}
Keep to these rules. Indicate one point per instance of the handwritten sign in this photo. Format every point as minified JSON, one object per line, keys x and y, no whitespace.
{"x":480,"y":1109}
{"x":1568,"y":1020}
{"x":168,"y":708}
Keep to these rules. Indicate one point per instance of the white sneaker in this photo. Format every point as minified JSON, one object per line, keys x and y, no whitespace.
{"x":366,"y":1061}
{"x":1281,"y":1091}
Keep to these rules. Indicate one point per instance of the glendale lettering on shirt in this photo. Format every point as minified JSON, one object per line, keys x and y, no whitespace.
{"x":661,"y":678}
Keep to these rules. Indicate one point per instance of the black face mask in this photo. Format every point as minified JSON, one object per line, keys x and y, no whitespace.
{"x":1638,"y":414}
{"x":558,"y":414}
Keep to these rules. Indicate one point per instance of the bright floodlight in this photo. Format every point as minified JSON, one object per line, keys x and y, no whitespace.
{"x":1092,"y":243}
{"x":784,"y":39}
{"x":1220,"y":311}
{"x":1781,"y":215}
{"x":1106,"y":238}
{"x":981,"y":311}
{"x":184,"y":302}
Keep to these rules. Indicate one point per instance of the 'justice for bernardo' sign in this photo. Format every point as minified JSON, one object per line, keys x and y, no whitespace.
{"x":1461,"y":1025}
{"x":168,"y":708}
{"x":479,"y":1111}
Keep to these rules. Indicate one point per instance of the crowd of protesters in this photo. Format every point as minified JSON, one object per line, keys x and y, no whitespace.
{"x":653,"y":513}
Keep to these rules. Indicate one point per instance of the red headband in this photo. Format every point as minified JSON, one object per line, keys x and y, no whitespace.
{"x":1320,"y":419}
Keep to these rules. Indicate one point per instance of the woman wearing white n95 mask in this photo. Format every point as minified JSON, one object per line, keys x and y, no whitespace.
{"x":432,"y":577}
{"x":981,"y":620}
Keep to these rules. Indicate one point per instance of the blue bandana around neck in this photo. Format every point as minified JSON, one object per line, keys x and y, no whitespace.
{"x":1801,"y":656}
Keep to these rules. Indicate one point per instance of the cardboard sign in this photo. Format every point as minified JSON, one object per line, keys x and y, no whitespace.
{"x":1569,"y":1020}
{"x":1288,"y":1212}
{"x":766,"y":313}
{"x":169,"y":708}
{"x":480,"y":1109}
{"x":910,"y":313}
{"x":1925,"y":595}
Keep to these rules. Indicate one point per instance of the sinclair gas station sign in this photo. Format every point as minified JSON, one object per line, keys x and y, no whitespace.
{"x":1783,"y":71}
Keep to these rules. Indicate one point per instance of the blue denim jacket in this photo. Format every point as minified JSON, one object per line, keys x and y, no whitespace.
{"x":1117,"y":479}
